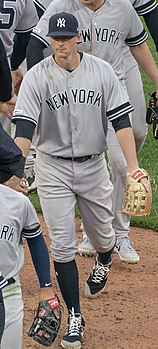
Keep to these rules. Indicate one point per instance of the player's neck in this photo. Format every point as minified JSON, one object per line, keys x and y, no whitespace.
{"x":70,"y":63}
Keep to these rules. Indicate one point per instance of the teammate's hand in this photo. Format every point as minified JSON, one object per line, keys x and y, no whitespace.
{"x":17,"y":77}
{"x":17,"y":184}
{"x":8,"y":107}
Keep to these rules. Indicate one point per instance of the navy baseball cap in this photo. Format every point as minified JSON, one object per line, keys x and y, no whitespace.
{"x":63,"y":24}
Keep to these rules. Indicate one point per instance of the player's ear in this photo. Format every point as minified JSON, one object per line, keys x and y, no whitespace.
{"x":78,"y":37}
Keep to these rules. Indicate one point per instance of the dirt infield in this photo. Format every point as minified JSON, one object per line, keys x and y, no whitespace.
{"x":125,"y":316}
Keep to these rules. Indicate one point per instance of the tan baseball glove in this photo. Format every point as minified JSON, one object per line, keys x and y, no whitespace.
{"x":137,"y":201}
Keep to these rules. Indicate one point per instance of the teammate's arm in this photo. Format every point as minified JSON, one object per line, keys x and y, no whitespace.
{"x":151,"y":20}
{"x":34,"y":52}
{"x":7,"y":103}
{"x":145,"y":59}
{"x":21,"y":41}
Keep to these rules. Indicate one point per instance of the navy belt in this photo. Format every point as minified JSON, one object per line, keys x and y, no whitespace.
{"x":78,"y":159}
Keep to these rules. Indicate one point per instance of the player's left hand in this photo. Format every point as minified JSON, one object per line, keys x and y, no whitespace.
{"x":138,"y":194}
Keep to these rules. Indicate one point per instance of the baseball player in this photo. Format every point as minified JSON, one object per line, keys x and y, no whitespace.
{"x":107,"y":42}
{"x":16,"y":17}
{"x":10,"y":155}
{"x":19,"y":220}
{"x":6,"y":101}
{"x":79,"y":93}
{"x":149,"y":10}
{"x":3,"y":283}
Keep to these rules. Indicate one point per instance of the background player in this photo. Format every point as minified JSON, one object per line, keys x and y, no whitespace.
{"x":10,"y":155}
{"x":149,"y":10}
{"x":94,"y":14}
{"x":75,"y":88}
{"x":19,"y":220}
{"x":6,"y":101}
{"x":16,"y":22}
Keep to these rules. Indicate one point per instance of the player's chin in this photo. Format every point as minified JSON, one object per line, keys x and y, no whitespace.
{"x":62,"y":54}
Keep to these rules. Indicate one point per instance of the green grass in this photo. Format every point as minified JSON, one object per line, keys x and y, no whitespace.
{"x":148,"y":159}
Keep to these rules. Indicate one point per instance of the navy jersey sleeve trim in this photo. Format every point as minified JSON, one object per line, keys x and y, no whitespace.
{"x":31,"y":233}
{"x":38,"y":4}
{"x":35,"y":35}
{"x":3,"y":282}
{"x":137,"y":40}
{"x":119,"y":111}
{"x":24,"y":118}
{"x":146,"y":8}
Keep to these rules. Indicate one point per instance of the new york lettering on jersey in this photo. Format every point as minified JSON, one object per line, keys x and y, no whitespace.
{"x":78,"y":96}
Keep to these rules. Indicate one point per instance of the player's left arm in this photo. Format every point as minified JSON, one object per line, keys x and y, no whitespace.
{"x":126,"y":141}
{"x":145,"y":59}
{"x":40,"y":258}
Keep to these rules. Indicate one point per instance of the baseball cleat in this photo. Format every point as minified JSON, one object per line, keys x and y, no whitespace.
{"x":97,"y":280}
{"x":125,"y":251}
{"x":85,"y":248}
{"x":73,"y":337}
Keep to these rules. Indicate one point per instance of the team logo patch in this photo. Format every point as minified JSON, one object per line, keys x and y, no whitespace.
{"x":61,"y":22}
{"x":18,"y":111}
{"x":53,"y":303}
{"x":36,"y":30}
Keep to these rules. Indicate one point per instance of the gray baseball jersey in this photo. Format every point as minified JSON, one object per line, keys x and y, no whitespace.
{"x":78,"y":101}
{"x":16,"y":16}
{"x":108,"y":28}
{"x":23,"y":222}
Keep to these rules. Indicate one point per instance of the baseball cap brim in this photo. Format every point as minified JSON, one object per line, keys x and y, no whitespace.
{"x":59,"y":33}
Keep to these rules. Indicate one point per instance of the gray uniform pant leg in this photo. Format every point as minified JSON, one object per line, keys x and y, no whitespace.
{"x":12,"y":336}
{"x":61,"y":184}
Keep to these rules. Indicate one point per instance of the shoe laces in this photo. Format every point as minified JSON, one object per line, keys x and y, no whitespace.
{"x":125,"y":242}
{"x":74,"y":324}
{"x":100,"y":271}
{"x":85,"y":238}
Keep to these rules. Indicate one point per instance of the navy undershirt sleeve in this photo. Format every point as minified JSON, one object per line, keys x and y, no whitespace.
{"x":121,"y":122}
{"x":40,"y":258}
{"x":19,"y":49}
{"x":5,"y":76}
{"x":34,"y":52}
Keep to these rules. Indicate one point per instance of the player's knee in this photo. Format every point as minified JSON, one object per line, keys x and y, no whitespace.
{"x":63,"y":254}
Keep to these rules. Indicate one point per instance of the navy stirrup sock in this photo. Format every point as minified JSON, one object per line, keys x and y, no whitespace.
{"x":67,"y":277}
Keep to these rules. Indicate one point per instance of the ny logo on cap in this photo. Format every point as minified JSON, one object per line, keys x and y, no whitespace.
{"x":61,"y":22}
